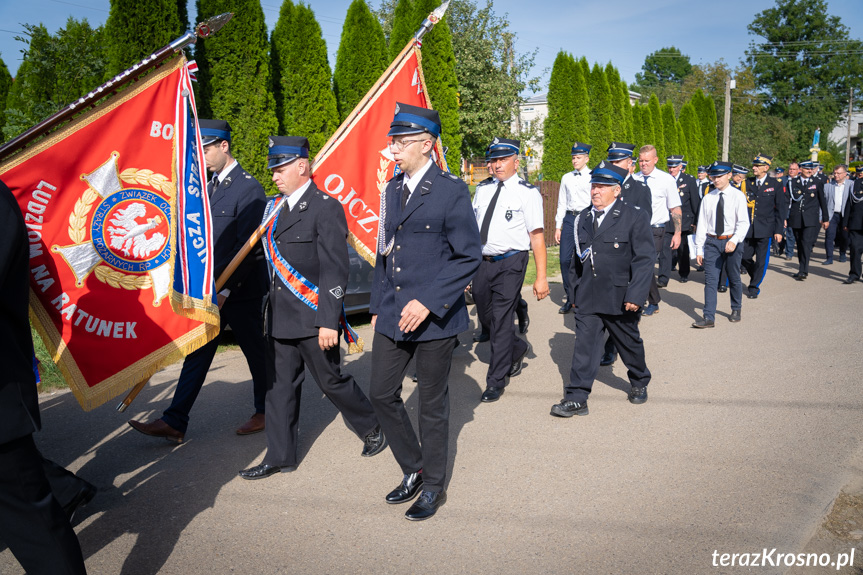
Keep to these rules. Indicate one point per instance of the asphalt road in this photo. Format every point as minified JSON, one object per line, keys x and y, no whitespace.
{"x":750,"y":432}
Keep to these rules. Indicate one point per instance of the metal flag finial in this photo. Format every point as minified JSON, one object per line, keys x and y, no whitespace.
{"x":432,"y":19}
{"x":439,"y":12}
{"x":209,"y":27}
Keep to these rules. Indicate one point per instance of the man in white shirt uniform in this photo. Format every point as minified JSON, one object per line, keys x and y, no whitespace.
{"x":722,"y":226}
{"x":509,"y":213}
{"x":666,"y":207}
{"x":574,"y":196}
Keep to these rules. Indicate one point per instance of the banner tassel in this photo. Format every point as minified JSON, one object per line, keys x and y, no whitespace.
{"x":354,"y":341}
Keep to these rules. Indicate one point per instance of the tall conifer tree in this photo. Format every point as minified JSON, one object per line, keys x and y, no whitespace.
{"x":301,"y":77}
{"x":601,"y":113}
{"x":648,"y":131}
{"x":618,"y":116}
{"x":438,"y":61}
{"x":404,"y":27}
{"x":706,"y":110}
{"x":559,"y":129}
{"x":580,"y":104}
{"x":183,"y":14}
{"x":658,"y":133}
{"x":5,"y":84}
{"x":637,"y":139}
{"x":682,"y":146}
{"x":627,"y":112}
{"x":361,"y":59}
{"x":585,"y":69}
{"x":669,"y":129}
{"x":691,"y":128}
{"x":235,"y":84}
{"x":137,"y":28}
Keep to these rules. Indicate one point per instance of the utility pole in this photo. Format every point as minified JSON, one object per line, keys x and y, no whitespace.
{"x":848,"y":136}
{"x":726,"y":123}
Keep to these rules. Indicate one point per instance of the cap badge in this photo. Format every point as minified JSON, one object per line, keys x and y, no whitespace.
{"x":272,"y":143}
{"x":495,"y":141}
{"x":397,"y":109}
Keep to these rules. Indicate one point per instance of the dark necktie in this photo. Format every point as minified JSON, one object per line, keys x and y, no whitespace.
{"x":214,"y":183}
{"x":645,"y":180}
{"x":719,"y":227}
{"x":596,"y":215}
{"x":406,"y":193}
{"x":486,"y":220}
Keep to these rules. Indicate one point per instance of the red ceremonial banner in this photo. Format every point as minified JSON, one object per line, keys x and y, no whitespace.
{"x":99,"y":200}
{"x":356,"y":164}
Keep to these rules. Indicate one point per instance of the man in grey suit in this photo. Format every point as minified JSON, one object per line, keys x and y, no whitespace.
{"x":836,"y":194}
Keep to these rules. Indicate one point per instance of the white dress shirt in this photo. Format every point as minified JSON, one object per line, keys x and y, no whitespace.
{"x":663,"y":195}
{"x":574,"y":194}
{"x":521,"y":202}
{"x":734,"y":209}
{"x":294,"y":198}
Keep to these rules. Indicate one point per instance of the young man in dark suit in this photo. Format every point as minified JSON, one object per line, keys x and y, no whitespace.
{"x":307,"y":254}
{"x":236,"y":204}
{"x":615,"y":254}
{"x":428,"y":252}
{"x":37,"y":497}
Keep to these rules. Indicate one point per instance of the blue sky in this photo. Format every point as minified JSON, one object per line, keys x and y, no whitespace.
{"x":623,"y":32}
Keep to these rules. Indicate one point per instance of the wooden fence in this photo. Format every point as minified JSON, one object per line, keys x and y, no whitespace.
{"x":549,"y":191}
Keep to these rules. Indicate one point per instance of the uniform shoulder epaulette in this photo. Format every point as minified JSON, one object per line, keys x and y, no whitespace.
{"x":451,"y":176}
{"x":488,"y":180}
{"x":321,"y":194}
{"x":527,"y":184}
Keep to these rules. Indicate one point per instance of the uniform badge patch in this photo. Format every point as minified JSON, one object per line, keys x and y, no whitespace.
{"x":304,"y":205}
{"x":337,"y":292}
{"x":616,"y":245}
{"x":681,"y":194}
{"x":812,"y":195}
{"x":508,"y":215}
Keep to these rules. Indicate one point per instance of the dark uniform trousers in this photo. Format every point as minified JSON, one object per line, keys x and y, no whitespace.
{"x":855,"y":243}
{"x":497,"y":289}
{"x":714,"y":260}
{"x":32,"y":521}
{"x":290,"y":358}
{"x":623,"y":331}
{"x":755,"y":258}
{"x":665,"y":253}
{"x":567,"y":249}
{"x":653,"y":297}
{"x":805,"y":238}
{"x":244,"y":317}
{"x":852,"y":218}
{"x":433,"y":359}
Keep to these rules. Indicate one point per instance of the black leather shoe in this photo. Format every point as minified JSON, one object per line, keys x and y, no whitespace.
{"x":408,"y":488}
{"x":753,"y":293}
{"x":735,"y":316}
{"x":523,"y":320}
{"x":426,"y":506}
{"x":637,"y":395}
{"x":608,"y":359}
{"x":84,"y":496}
{"x":799,"y":276}
{"x":683,"y":279}
{"x":491,"y":394}
{"x":722,"y":289}
{"x":569,"y":408}
{"x":660,"y":284}
{"x":703,"y":323}
{"x":516,"y":366}
{"x":481,"y":337}
{"x":850,"y":280}
{"x":263,"y":470}
{"x":565,"y":308}
{"x":374,"y":442}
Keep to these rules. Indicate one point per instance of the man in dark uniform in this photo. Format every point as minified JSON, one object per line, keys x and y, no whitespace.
{"x":633,"y":192}
{"x":236,"y":204}
{"x":510,"y":218}
{"x":33,"y":521}
{"x":852,"y":222}
{"x":690,"y":199}
{"x":428,"y":251}
{"x":702,"y":181}
{"x":764,"y":205}
{"x":788,"y":243}
{"x":615,"y":254}
{"x":807,"y":198}
{"x":307,"y":256}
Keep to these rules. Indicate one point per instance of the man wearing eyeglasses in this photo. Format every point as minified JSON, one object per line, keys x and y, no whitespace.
{"x":510,"y":218}
{"x":428,"y":251}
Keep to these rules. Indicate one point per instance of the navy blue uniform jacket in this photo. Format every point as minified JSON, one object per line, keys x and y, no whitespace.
{"x":637,"y":193}
{"x":237,"y":207}
{"x":436,"y":252}
{"x":690,"y":201}
{"x":805,"y":213}
{"x":768,"y":200}
{"x":623,"y":259}
{"x":852,"y":218}
{"x":313,"y":239}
